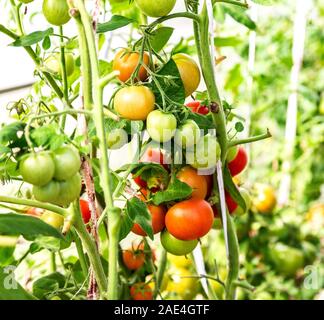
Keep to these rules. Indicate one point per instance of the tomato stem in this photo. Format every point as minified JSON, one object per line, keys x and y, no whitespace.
{"x":236,"y":3}
{"x":250,"y":139}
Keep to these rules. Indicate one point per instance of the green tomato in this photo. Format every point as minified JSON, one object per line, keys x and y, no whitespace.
{"x":56,"y":12}
{"x":232,"y":153}
{"x":287,"y":260}
{"x":37,"y":168}
{"x":69,"y":190}
{"x":187,"y":135}
{"x":67,"y":163}
{"x":53,"y":64}
{"x":53,"y":219}
{"x":248,"y":202}
{"x":47,"y":193}
{"x":176,"y":246}
{"x":156,"y":8}
{"x":206,"y":153}
{"x":26,"y":1}
{"x":161,"y":126}
{"x":116,"y":138}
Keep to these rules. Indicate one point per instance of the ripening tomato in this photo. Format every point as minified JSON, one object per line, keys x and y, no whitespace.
{"x":134,"y":102}
{"x":126,"y":62}
{"x":56,"y":12}
{"x":54,"y":219}
{"x":37,"y":168}
{"x":141,"y":291}
{"x":85,"y":211}
{"x":157,"y":8}
{"x":238,"y":164}
{"x":265,"y":200}
{"x":190,"y":219}
{"x":134,"y":258}
{"x":196,"y":107}
{"x":67,"y":163}
{"x":188,"y":134}
{"x":161,"y":126}
{"x":158,"y":220}
{"x":175,"y":246}
{"x":197,"y":182}
{"x":189,"y":72}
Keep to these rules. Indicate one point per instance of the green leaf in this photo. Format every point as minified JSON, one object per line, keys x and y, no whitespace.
{"x":46,"y":44}
{"x":239,"y":127}
{"x":232,"y":189}
{"x":138,"y":213}
{"x":7,"y":256}
{"x":48,"y":136}
{"x":266,"y":2}
{"x":227,"y":41}
{"x":170,"y":82}
{"x":177,"y":190}
{"x":27,"y":226}
{"x":160,"y":37}
{"x":240,"y":15}
{"x":32,"y":38}
{"x":10,"y":289}
{"x":204,"y":122}
{"x":48,"y":284}
{"x":125,"y":226}
{"x":9,"y":132}
{"x":114,"y":23}
{"x":105,"y":67}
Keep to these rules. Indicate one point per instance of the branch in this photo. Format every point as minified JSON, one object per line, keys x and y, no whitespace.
{"x":251,"y":139}
{"x":236,"y":3}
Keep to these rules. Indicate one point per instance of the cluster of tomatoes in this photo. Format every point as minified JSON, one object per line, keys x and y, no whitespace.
{"x":54,"y":175}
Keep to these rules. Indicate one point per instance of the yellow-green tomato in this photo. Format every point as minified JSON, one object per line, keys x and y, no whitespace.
{"x":53,"y":219}
{"x":189,"y":72}
{"x":232,"y":153}
{"x":47,"y":193}
{"x":206,"y":153}
{"x":187,"y":135}
{"x":156,"y":8}
{"x":116,"y":138}
{"x":67,"y":163}
{"x":37,"y":168}
{"x":248,"y":202}
{"x":53,"y":64}
{"x":56,"y":12}
{"x":161,"y":126}
{"x":26,"y":1}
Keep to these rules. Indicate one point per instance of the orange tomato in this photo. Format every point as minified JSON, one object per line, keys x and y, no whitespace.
{"x":134,"y":257}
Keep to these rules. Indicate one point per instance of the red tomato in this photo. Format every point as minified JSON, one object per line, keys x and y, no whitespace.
{"x":210,"y":182}
{"x":239,"y":163}
{"x":190,"y":219}
{"x":141,"y":291}
{"x":134,"y":258}
{"x":85,"y":211}
{"x":196,"y":107}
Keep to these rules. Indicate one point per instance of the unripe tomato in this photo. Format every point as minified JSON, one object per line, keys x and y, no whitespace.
{"x":175,"y":246}
{"x":56,"y":12}
{"x":53,"y":219}
{"x":26,"y":1}
{"x":85,"y":211}
{"x":69,"y":190}
{"x":134,"y":258}
{"x":196,"y":107}
{"x":265,"y":200}
{"x":126,"y":62}
{"x":67,"y":163}
{"x":158,"y":220}
{"x":141,"y":291}
{"x":134,"y":102}
{"x":157,"y":8}
{"x":116,"y":138}
{"x":37,"y":168}
{"x":189,"y":72}
{"x":189,"y":219}
{"x":187,"y":134}
{"x":161,"y":126}
{"x":206,"y":153}
{"x":53,"y":64}
{"x":197,"y":182}
{"x":48,"y":193}
{"x":239,"y":163}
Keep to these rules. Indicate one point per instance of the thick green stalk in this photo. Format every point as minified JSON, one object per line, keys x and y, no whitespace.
{"x":82,"y":258}
{"x":105,"y":177}
{"x":160,"y":273}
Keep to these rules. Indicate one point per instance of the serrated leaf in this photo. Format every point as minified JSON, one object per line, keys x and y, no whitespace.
{"x":177,"y":190}
{"x":48,"y":284}
{"x":27,"y":226}
{"x":32,"y":38}
{"x":138,"y":213}
{"x":9,"y":132}
{"x":239,"y":14}
{"x":114,"y":23}
{"x":232,"y":189}
{"x":10,"y":289}
{"x":160,"y":37}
